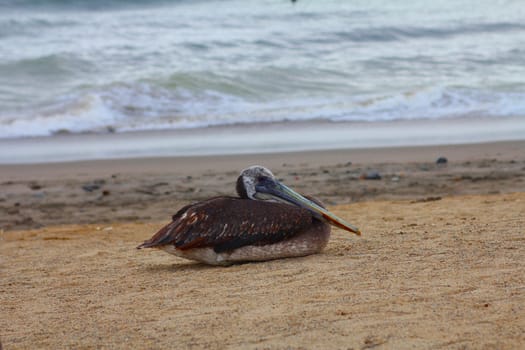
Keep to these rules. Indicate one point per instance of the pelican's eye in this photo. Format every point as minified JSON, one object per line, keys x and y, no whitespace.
{"x":262,"y":178}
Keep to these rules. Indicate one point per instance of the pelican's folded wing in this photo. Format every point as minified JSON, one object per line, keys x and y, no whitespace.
{"x":226,"y":223}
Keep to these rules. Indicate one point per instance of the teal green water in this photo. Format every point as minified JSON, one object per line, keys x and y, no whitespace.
{"x":94,"y":66}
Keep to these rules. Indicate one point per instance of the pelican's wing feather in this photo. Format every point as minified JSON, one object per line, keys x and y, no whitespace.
{"x":226,"y":223}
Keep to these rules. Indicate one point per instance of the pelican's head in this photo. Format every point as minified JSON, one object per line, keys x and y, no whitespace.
{"x":258,"y":183}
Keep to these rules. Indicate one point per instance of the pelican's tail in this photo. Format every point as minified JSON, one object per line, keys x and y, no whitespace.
{"x":162,"y":237}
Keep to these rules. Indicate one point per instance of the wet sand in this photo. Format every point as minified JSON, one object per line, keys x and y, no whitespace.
{"x":151,"y":189}
{"x":440,"y":263}
{"x":260,"y":138}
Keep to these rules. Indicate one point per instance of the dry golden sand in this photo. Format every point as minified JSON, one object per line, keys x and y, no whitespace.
{"x":439,"y":274}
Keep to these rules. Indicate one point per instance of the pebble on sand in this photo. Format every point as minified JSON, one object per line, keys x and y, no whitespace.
{"x":371,"y":175}
{"x":442,"y":160}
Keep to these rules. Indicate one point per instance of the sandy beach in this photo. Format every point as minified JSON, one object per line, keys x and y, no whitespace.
{"x":440,"y":263}
{"x":406,"y":119}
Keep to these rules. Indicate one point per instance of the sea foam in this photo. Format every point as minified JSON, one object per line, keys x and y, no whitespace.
{"x":143,"y":107}
{"x":129,"y":65}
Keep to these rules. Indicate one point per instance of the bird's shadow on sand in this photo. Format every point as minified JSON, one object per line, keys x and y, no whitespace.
{"x":182,"y":267}
{"x":198,"y":266}
{"x":191,"y":266}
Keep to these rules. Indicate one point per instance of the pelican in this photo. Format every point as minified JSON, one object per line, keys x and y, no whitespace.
{"x":267,"y":221}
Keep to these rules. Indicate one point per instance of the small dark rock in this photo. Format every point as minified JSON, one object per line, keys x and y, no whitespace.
{"x":90,"y":187}
{"x":371,"y":175}
{"x":35,"y":186}
{"x":160,"y":184}
{"x":106,"y":193}
{"x":426,"y":199}
{"x":442,"y":160}
{"x":62,"y":131}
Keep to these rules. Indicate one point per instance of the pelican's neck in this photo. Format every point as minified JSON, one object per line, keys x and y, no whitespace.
{"x":241,"y":188}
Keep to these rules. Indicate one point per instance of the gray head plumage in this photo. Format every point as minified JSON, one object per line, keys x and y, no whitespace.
{"x":248,"y":179}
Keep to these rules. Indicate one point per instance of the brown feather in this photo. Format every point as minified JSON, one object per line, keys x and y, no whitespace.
{"x":226,"y":223}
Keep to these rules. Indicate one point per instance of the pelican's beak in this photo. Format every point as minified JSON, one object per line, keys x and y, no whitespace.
{"x":273,"y":189}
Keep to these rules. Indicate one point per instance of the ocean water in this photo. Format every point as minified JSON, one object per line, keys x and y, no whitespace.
{"x":93,"y":66}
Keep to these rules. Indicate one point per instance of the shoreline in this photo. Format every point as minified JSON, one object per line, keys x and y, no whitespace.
{"x":151,"y":189}
{"x":274,"y":138}
{"x":188,"y":165}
